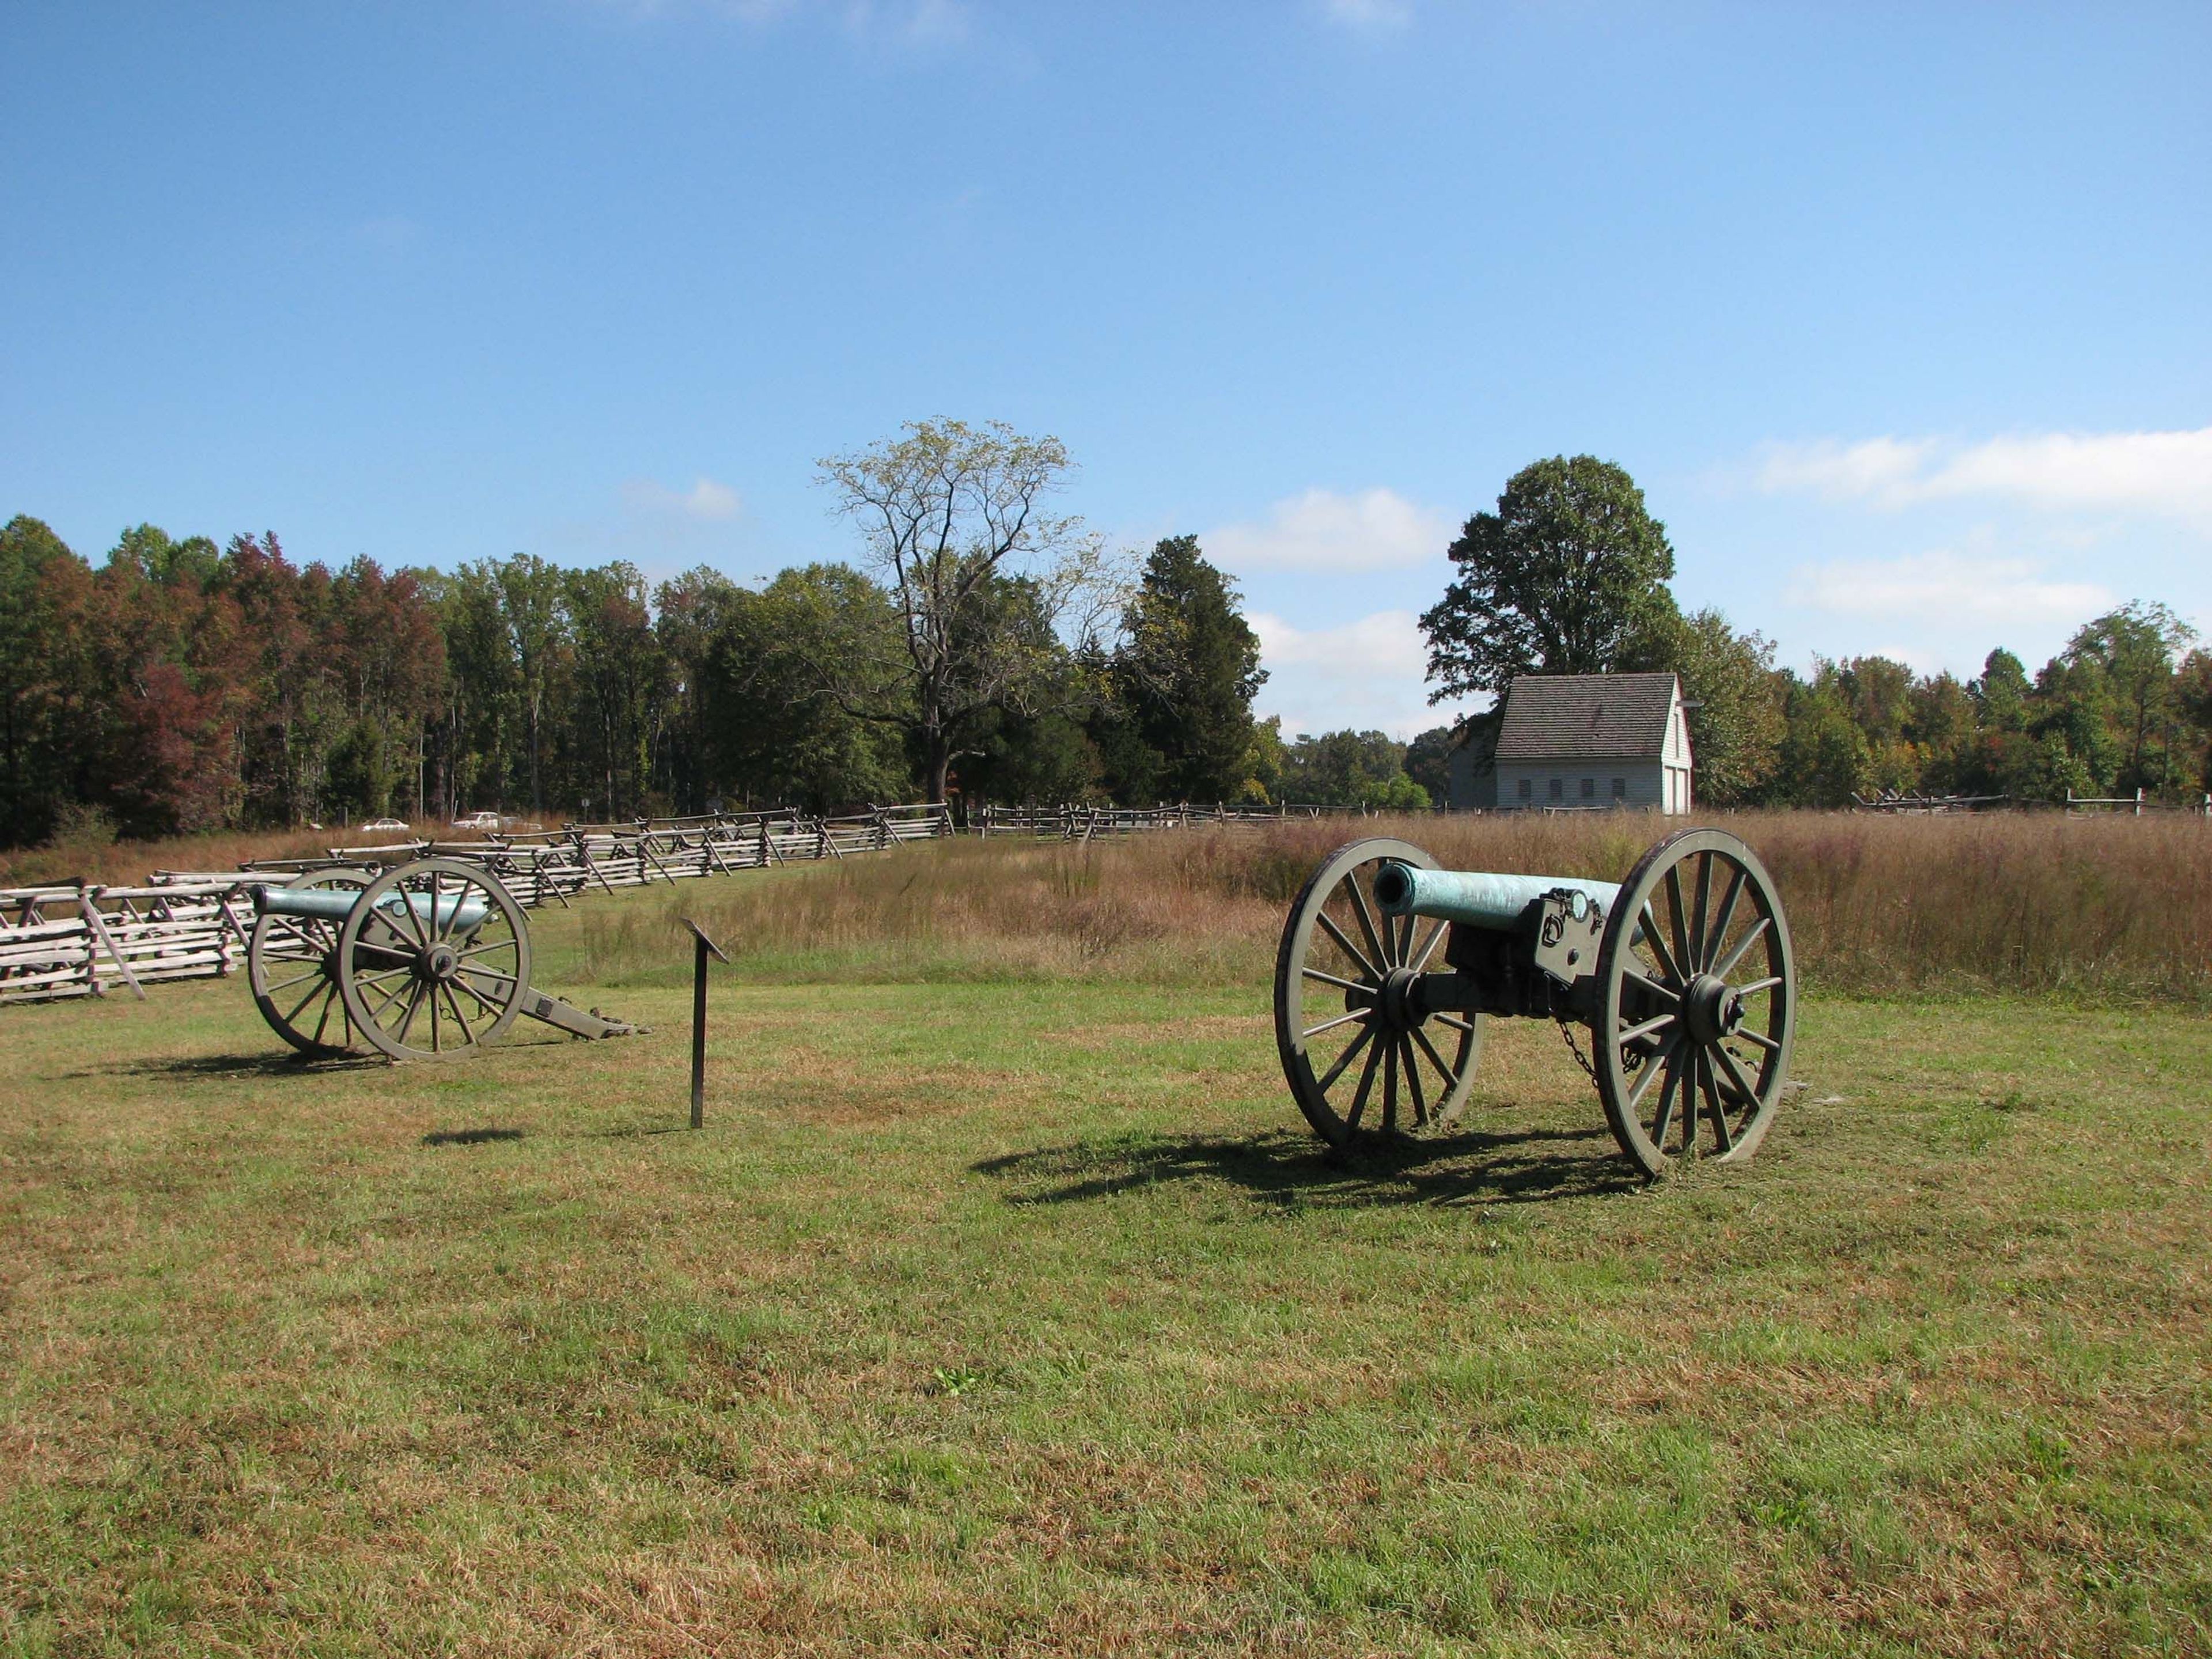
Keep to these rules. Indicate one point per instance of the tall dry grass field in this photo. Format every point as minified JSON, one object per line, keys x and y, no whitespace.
{"x":2110,"y":908}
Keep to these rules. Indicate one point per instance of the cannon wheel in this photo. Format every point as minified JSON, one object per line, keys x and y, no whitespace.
{"x":1353,"y":1051}
{"x":422,"y":982}
{"x":291,"y":964}
{"x":1698,"y":1003}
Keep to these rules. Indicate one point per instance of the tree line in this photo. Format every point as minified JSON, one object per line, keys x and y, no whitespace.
{"x":980,"y":641}
{"x":979,"y":645}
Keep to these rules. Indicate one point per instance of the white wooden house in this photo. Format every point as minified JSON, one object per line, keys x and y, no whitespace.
{"x":1590,"y":741}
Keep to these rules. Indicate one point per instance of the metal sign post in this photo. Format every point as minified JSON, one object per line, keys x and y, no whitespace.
{"x":699,"y":1019}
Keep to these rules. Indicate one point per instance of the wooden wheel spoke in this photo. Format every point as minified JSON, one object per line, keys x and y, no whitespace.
{"x":1664,"y":1115}
{"x":1413,"y":1081}
{"x":1648,"y":926}
{"x":1646,"y":1029}
{"x":1341,"y":984}
{"x":1389,"y":1087}
{"x":1449,"y":1074}
{"x":1726,"y":965}
{"x":1329,"y":926}
{"x":405,"y":908}
{"x":1350,"y":1052}
{"x":293,"y":1017}
{"x":462,"y":980}
{"x":1659,"y":1062}
{"x":1675,"y":919}
{"x":1738,"y":1076}
{"x":376,"y":1014}
{"x":1694,"y":1061}
{"x":1367,"y":923}
{"x":1420,"y":958}
{"x":1630,"y":977}
{"x":1699,"y":955}
{"x":461,"y":1018}
{"x":323,"y":1023}
{"x":1763,"y":1041}
{"x":1759,"y":984}
{"x":490,"y":945}
{"x":407,"y":1019}
{"x":394,"y":943}
{"x":1710,"y":948}
{"x":275,"y":986}
{"x":1723,"y":1134}
{"x":1312,"y":1031}
{"x":1454,"y":1021}
{"x":1366,"y":1082}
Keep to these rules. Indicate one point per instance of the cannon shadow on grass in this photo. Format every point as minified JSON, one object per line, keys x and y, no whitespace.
{"x":1472,"y":1167}
{"x":284,"y":1063}
{"x":470,"y":1137}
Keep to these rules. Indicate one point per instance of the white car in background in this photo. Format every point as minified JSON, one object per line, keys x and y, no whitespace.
{"x":477,"y":821}
{"x":387,"y":823}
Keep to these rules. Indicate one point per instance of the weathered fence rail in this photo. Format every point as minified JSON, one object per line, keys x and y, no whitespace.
{"x":83,"y":940}
{"x":2138,"y":805}
{"x":1086,"y":823}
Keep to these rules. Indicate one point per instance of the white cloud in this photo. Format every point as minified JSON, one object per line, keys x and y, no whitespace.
{"x":705,"y":501}
{"x":1941,"y":586}
{"x":1367,"y":675}
{"x":1374,"y":530}
{"x":2160,"y":474}
{"x":1369,"y":14}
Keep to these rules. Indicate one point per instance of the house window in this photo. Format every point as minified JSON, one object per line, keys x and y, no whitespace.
{"x":1559,"y":789}
{"x":1589,"y":788}
{"x":1620,"y":789}
{"x":1527,"y":789}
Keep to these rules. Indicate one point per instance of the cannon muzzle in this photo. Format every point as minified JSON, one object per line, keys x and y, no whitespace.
{"x":1475,"y":898}
{"x":336,"y":904}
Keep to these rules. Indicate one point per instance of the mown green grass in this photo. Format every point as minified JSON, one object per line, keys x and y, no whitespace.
{"x":1025,"y":1317}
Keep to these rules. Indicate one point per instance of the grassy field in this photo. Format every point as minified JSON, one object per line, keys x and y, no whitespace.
{"x":1004,"y":1306}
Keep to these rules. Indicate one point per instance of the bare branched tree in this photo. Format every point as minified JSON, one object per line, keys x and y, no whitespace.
{"x":986,"y":582}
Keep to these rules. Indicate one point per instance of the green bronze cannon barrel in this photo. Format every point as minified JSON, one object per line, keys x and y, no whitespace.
{"x":1475,"y":898}
{"x":336,"y":904}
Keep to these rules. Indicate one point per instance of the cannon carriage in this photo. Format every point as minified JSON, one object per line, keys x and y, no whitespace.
{"x":1682,"y":976}
{"x":427,"y":960}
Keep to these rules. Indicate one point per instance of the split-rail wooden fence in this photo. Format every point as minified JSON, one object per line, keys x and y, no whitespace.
{"x":81,"y":939}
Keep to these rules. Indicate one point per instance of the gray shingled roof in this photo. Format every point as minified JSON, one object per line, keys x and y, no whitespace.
{"x":1586,"y":717}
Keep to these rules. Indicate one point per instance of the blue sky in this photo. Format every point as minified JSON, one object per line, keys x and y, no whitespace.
{"x":1901,"y":316}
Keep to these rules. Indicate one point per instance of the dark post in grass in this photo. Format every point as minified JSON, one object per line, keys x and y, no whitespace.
{"x":699,"y":1020}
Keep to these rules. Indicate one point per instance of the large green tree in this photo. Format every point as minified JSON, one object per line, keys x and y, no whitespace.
{"x":777,"y":735}
{"x":2135,"y":649}
{"x":949,"y":514}
{"x":1185,"y":673}
{"x":1567,"y":576}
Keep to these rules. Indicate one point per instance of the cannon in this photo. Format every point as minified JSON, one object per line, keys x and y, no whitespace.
{"x":426,"y":961}
{"x":1682,"y":975}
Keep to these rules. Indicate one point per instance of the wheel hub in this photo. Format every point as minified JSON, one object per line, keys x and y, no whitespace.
{"x":1713,"y":1008}
{"x":1395,"y":1003}
{"x":437,"y":964}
